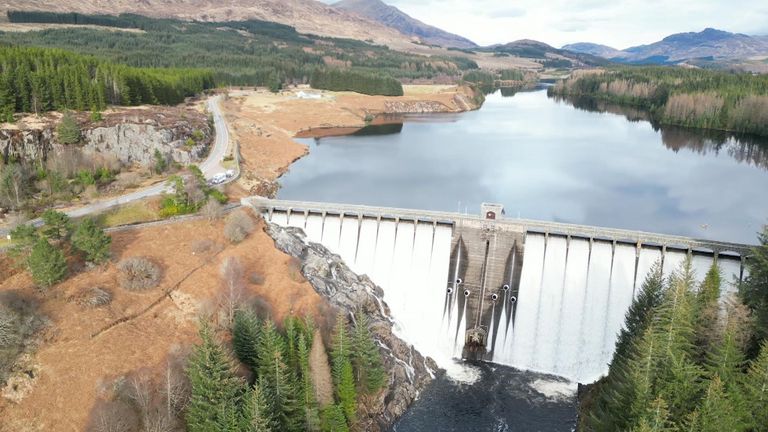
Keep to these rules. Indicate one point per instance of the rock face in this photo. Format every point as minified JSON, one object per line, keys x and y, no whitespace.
{"x":409,"y":371}
{"x":130,"y":138}
{"x":136,"y":143}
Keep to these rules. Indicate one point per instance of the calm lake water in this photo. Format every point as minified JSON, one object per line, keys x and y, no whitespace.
{"x":550,"y":160}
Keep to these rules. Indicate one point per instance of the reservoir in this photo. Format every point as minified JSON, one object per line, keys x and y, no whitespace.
{"x":542,"y":158}
{"x":547,"y":159}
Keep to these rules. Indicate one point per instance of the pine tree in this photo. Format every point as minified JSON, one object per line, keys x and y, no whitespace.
{"x":280,"y":382}
{"x":707,"y":308}
{"x":216,"y":392}
{"x":256,"y":411}
{"x":90,"y":239}
{"x":756,"y":389}
{"x":245,"y":337}
{"x":365,"y":355}
{"x":333,"y":419}
{"x":342,"y":371}
{"x":46,"y":263}
{"x":307,"y":388}
{"x":717,"y":412}
{"x":655,"y":418}
{"x":68,"y":129}
{"x":754,"y":292}
{"x":57,"y":226}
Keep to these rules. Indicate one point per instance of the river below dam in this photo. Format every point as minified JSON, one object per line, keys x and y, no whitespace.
{"x":542,"y":158}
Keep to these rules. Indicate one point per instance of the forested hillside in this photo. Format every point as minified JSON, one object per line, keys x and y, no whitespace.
{"x":240,"y":53}
{"x":688,"y":360}
{"x":347,"y":80}
{"x":38,"y":80}
{"x":686,"y":97}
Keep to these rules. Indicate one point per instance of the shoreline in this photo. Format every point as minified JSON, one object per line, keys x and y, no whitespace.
{"x":265,"y":125}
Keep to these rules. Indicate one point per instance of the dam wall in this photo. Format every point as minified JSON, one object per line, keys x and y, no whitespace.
{"x":534,"y":295}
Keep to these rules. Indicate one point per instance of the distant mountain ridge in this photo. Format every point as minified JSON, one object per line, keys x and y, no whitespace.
{"x":709,"y":44}
{"x":393,"y":17}
{"x":307,"y":16}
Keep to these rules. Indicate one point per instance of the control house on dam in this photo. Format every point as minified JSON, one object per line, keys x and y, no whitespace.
{"x":541,"y":296}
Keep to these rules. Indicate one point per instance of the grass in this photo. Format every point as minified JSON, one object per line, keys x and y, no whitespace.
{"x":4,"y":242}
{"x":142,"y":211}
{"x":425,"y":89}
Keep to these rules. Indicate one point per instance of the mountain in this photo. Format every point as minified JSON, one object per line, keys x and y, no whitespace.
{"x":307,"y":16}
{"x":603,"y":51}
{"x":545,"y":54}
{"x":709,"y":45}
{"x":393,"y":17}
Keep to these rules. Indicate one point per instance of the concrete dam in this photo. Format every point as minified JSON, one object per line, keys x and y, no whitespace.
{"x":534,"y":295}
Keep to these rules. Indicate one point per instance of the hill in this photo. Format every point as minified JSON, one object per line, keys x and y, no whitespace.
{"x":594,"y":49}
{"x":547,"y":55}
{"x":393,"y":17}
{"x":708,"y":45}
{"x":307,"y":16}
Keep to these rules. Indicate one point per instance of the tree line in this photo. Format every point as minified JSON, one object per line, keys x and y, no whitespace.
{"x":249,"y":52}
{"x":700,"y":98}
{"x":40,"y":79}
{"x":360,"y":82}
{"x":282,"y":394}
{"x":689,"y":358}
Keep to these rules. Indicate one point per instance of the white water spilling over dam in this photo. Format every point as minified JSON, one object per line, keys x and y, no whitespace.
{"x":533,"y":295}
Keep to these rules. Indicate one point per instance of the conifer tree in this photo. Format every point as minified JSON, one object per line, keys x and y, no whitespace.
{"x":365,"y":355}
{"x":217,"y":392}
{"x":46,"y":263}
{"x":756,"y":389}
{"x":90,"y":239}
{"x":655,"y":418}
{"x":717,"y":412}
{"x":307,"y":389}
{"x":68,"y":129}
{"x":57,"y":226}
{"x":245,"y":338}
{"x":256,"y":411}
{"x":333,"y":419}
{"x":342,"y":371}
{"x":280,"y":382}
{"x":707,"y":308}
{"x":754,"y":292}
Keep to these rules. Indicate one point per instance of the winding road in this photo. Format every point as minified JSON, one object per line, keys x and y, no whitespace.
{"x":211,"y":166}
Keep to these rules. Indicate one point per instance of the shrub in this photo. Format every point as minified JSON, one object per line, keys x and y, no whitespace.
{"x":96,"y":297}
{"x":46,"y":263}
{"x":138,"y":274}
{"x":238,"y":225}
{"x":256,"y":279}
{"x":7,"y":326}
{"x":57,"y":225}
{"x":212,"y":210}
{"x":90,"y":239}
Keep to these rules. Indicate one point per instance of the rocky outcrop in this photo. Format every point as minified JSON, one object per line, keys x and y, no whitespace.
{"x":131,"y":136}
{"x":409,"y":371}
{"x":134,"y":143}
{"x":415,"y":107}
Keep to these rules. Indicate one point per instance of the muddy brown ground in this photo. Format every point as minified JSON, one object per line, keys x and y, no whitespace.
{"x":75,"y":366}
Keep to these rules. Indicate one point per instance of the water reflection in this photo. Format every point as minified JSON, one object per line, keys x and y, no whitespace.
{"x":545,"y":159}
{"x":749,"y":149}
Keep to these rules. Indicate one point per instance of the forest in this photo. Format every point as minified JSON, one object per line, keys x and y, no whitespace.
{"x":281,"y":393}
{"x":360,"y":82}
{"x":39,"y":80}
{"x":240,"y":53}
{"x":709,"y":99}
{"x":690,"y":357}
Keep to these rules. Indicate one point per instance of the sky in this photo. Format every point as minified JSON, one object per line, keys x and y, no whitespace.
{"x":617,"y":23}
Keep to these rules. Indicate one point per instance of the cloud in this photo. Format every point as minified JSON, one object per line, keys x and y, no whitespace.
{"x":618,"y":23}
{"x":509,"y":12}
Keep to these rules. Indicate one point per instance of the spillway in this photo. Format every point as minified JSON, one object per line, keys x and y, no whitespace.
{"x":460,"y":287}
